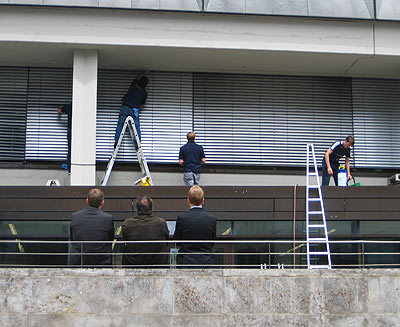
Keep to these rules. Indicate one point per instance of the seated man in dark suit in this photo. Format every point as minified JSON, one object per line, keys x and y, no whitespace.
{"x":91,"y":224}
{"x":145,"y":227}
{"x":196,"y":224}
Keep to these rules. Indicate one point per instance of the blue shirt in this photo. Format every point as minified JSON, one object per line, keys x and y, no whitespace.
{"x":135,"y":97}
{"x":191,"y":154}
{"x":338,"y":151}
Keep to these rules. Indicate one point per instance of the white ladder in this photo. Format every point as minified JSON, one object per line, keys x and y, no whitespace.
{"x":312,"y":227}
{"x":146,"y":180}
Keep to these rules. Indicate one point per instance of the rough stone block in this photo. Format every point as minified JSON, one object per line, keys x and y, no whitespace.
{"x":385,"y":292}
{"x":75,"y":320}
{"x":115,"y":3}
{"x":281,"y":295}
{"x":272,"y":320}
{"x":346,"y":320}
{"x":345,"y":295}
{"x":384,"y":320}
{"x":60,"y":296}
{"x":135,"y":320}
{"x":198,"y":295}
{"x":247,"y":295}
{"x":197,"y":320}
{"x":13,"y":320}
{"x":16,"y":290}
{"x":125,"y":295}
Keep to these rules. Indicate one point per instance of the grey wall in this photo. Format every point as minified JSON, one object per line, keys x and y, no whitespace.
{"x":117,"y":297}
{"x":360,"y":9}
{"x":363,"y":9}
{"x":39,"y":177}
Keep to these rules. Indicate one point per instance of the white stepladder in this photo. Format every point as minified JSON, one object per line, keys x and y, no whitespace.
{"x":146,"y":179}
{"x":317,"y":235}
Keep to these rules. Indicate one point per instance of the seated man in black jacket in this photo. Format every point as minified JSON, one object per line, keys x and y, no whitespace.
{"x":91,"y":224}
{"x":196,"y":224}
{"x":145,"y":227}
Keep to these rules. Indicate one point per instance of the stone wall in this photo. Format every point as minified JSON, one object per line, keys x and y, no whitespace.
{"x":118,"y":297}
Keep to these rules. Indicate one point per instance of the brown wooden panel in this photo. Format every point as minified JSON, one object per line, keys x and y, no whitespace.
{"x":31,"y":191}
{"x":239,"y":204}
{"x":238,"y":192}
{"x":372,"y":192}
{"x":24,"y":204}
{"x":370,"y":215}
{"x":373,"y":204}
{"x":32,"y":215}
{"x":287,"y":205}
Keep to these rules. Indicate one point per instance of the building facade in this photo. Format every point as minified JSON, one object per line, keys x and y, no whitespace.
{"x":256,"y":81}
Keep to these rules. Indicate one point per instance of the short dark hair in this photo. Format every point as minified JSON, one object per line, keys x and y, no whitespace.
{"x":196,"y":195}
{"x":95,"y":197}
{"x":143,"y":81}
{"x":144,"y":205}
{"x":191,"y":136}
{"x":350,"y":139}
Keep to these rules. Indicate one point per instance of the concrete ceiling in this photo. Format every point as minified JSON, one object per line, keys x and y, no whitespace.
{"x":204,"y":60}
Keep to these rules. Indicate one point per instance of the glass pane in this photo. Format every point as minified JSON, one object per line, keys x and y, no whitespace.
{"x":380,"y":227}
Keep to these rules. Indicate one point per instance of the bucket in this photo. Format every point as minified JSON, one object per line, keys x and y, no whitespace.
{"x":342,"y":176}
{"x":354,"y":182}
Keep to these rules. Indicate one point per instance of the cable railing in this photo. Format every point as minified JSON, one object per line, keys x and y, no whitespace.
{"x":249,"y":254}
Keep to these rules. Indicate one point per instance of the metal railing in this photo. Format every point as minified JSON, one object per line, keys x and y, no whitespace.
{"x":255,"y":254}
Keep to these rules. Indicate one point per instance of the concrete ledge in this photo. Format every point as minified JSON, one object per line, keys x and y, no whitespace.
{"x":138,"y":297}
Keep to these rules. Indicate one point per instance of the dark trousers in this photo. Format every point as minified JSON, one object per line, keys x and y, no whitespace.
{"x":326,"y":178}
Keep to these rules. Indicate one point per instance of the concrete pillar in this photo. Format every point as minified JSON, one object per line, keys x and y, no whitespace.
{"x":84,"y":104}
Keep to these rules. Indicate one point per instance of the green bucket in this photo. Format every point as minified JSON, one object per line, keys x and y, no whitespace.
{"x":354,"y":182}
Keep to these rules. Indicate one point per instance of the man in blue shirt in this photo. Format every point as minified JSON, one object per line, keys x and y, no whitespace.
{"x":191,"y":157}
{"x":330,"y":163}
{"x":132,"y":102}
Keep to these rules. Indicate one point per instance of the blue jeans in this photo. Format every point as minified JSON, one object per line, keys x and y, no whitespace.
{"x":326,"y":178}
{"x":123,"y":114}
{"x":191,"y":179}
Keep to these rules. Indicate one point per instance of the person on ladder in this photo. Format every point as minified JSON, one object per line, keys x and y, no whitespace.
{"x":132,"y":102}
{"x":330,"y":162}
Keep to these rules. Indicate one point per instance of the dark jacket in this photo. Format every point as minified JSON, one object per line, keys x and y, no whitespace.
{"x":91,"y":224}
{"x":135,"y":97}
{"x":145,"y":228}
{"x":196,"y":224}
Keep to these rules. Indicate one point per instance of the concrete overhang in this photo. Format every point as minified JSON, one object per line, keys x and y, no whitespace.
{"x":200,"y":42}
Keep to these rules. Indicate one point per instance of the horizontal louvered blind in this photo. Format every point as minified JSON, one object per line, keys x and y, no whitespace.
{"x":376,"y":107}
{"x":13,"y":91}
{"x":46,"y":135}
{"x":267,"y":120}
{"x":165,"y":119}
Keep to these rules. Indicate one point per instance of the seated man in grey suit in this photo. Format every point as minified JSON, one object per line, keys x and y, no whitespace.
{"x":196,"y":224}
{"x":145,"y":227}
{"x":91,"y":224}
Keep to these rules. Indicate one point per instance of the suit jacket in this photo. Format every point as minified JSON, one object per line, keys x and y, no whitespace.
{"x":196,"y":224}
{"x":91,"y":224}
{"x":145,"y":228}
